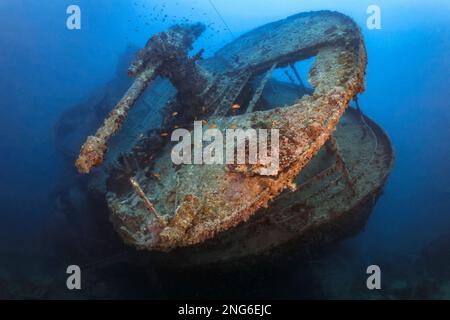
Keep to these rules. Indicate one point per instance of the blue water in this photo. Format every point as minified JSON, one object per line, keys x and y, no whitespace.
{"x":45,"y":69}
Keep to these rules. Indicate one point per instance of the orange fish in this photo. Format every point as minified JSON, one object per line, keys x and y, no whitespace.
{"x":156,"y":175}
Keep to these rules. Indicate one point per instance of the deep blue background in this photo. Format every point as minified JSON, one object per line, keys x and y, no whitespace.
{"x":45,"y":69}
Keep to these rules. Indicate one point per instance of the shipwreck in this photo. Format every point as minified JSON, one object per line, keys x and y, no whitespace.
{"x":333,"y":160}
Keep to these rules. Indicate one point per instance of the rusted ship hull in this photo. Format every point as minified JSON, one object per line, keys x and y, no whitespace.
{"x":189,"y":204}
{"x":222,"y":212}
{"x":323,"y":210}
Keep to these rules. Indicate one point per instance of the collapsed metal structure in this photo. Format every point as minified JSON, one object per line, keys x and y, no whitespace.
{"x":157,"y":205}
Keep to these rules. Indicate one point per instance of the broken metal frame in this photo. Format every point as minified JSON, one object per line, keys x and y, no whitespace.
{"x":260,"y":89}
{"x":297,"y":75}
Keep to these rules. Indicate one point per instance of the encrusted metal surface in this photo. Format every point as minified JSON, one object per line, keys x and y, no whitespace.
{"x":324,"y":208}
{"x":199,"y":201}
